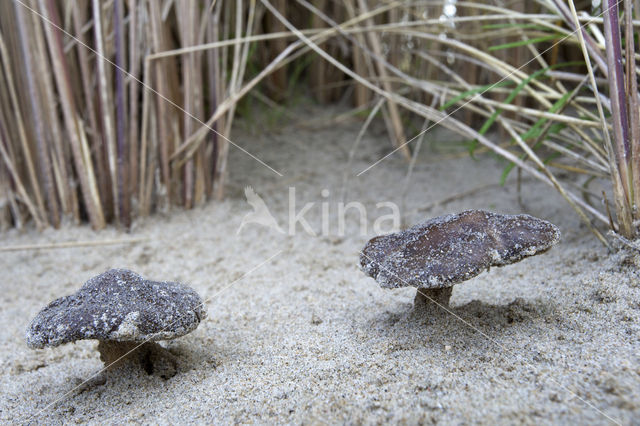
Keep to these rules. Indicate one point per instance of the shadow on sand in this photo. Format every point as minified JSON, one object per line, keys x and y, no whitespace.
{"x":475,"y":325}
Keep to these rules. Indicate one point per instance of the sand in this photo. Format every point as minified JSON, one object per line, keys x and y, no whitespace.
{"x":296,"y":333}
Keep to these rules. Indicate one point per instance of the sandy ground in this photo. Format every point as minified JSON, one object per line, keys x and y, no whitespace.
{"x":297,"y":334}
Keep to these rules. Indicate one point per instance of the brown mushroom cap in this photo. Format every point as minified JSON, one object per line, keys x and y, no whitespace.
{"x":450,"y":249}
{"x":118,"y":305}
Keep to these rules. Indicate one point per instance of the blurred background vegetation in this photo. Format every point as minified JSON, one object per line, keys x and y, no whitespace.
{"x":113,"y":109}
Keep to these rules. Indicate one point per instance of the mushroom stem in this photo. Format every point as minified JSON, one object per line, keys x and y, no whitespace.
{"x":426,"y":296}
{"x":152,"y":357}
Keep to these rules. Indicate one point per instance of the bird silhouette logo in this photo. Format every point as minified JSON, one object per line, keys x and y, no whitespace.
{"x":260,"y":214}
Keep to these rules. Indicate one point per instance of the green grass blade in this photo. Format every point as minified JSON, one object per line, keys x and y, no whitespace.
{"x":520,"y":43}
{"x":474,"y":91}
{"x":535,"y":132}
{"x":485,"y":127}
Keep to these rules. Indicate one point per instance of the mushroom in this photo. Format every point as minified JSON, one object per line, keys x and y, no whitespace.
{"x":125,"y":313}
{"x":443,"y":251}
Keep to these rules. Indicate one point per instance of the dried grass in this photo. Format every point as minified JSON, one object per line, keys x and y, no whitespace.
{"x":135,"y":100}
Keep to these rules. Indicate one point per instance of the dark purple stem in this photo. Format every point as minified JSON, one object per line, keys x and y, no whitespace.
{"x":617,"y":91}
{"x":633,"y":102}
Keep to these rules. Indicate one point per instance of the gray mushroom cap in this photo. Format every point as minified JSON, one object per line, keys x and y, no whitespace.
{"x":118,"y":305}
{"x":450,"y":249}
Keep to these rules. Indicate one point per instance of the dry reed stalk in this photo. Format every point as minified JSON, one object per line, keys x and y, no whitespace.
{"x":5,"y":204}
{"x":625,"y":122}
{"x":17,"y":182}
{"x":95,"y":136}
{"x":617,"y":96}
{"x":395,"y":45}
{"x":507,"y":126}
{"x":233,"y":88}
{"x":38,"y":204}
{"x":329,"y":89}
{"x":111,"y":165}
{"x":122,"y":154}
{"x":624,"y":215}
{"x":224,"y":92}
{"x":160,"y":78}
{"x":457,"y":126}
{"x":144,"y":204}
{"x":71,"y":244}
{"x":199,"y":99}
{"x":278,"y":79}
{"x":106,"y":104}
{"x":634,"y":105}
{"x":361,"y":94}
{"x":570,"y":17}
{"x":345,"y":178}
{"x":226,"y":42}
{"x":503,"y":69}
{"x":283,"y":59}
{"x":213,"y":73}
{"x":177,"y":160}
{"x":60,"y":154}
{"x":471,"y":70}
{"x":189,"y":146}
{"x":44,"y":160}
{"x":370,"y":56}
{"x":74,"y":125}
{"x":202,"y":158}
{"x":318,"y":67}
{"x":134,"y":92}
{"x":395,"y":124}
{"x":361,"y":63}
{"x":187,"y":26}
{"x":153,"y":172}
